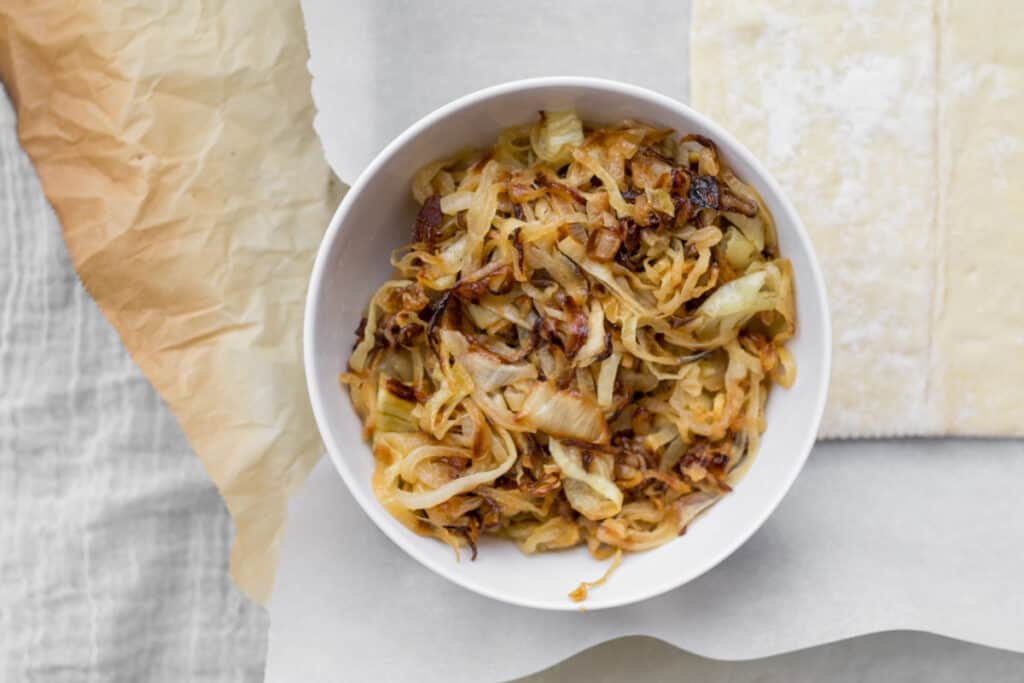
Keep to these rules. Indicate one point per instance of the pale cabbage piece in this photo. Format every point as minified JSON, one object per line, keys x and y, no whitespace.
{"x":409,"y":464}
{"x":760,"y":228}
{"x":559,"y":267}
{"x":553,"y":534}
{"x":483,"y":317}
{"x":394,"y":414}
{"x":480,"y":215}
{"x":740,"y":252}
{"x":563,"y":414}
{"x":421,"y":182}
{"x":595,"y":344}
{"x":602,"y":272}
{"x":420,"y":500}
{"x":606,"y":380}
{"x":660,"y":200}
{"x":593,"y":164}
{"x":360,"y":355}
{"x":559,"y":133}
{"x":592,"y":493}
{"x":753,"y":228}
{"x":452,"y":204}
{"x":490,"y":373}
{"x":742,"y":295}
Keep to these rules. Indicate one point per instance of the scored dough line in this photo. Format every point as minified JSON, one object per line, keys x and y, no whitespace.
{"x":933,"y":402}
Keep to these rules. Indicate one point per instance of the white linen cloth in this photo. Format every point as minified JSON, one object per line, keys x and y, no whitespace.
{"x":113,"y":542}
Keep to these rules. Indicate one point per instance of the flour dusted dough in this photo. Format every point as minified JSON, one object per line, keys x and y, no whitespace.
{"x":980,"y":321}
{"x":896,"y":128}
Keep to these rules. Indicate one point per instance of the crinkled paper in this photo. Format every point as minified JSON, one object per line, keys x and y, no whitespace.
{"x":175,"y":142}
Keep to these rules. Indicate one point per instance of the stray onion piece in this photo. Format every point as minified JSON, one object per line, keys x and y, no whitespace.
{"x":578,"y":344}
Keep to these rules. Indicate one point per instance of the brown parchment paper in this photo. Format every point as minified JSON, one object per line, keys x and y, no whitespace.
{"x":175,"y":141}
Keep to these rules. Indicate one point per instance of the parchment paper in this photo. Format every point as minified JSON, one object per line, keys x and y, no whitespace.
{"x":174,"y":141}
{"x":874,"y":536}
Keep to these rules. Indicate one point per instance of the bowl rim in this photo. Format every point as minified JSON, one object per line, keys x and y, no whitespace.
{"x":401,"y":537}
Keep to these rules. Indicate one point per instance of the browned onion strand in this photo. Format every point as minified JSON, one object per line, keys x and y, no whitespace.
{"x":578,"y":345}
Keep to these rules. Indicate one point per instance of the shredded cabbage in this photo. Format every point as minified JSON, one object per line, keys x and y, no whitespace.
{"x":579,"y":342}
{"x":592,"y":492}
{"x":557,"y":135}
{"x":570,"y":415}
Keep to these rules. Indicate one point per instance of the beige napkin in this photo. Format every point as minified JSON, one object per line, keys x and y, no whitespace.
{"x":897,"y":128}
{"x":175,"y":142}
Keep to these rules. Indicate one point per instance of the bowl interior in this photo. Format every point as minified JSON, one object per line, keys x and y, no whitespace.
{"x":376,"y":217}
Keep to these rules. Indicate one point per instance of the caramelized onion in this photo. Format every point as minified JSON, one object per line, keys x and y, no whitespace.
{"x":603,"y":244}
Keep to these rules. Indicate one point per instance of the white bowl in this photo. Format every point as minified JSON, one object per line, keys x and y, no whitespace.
{"x":376,"y":216}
